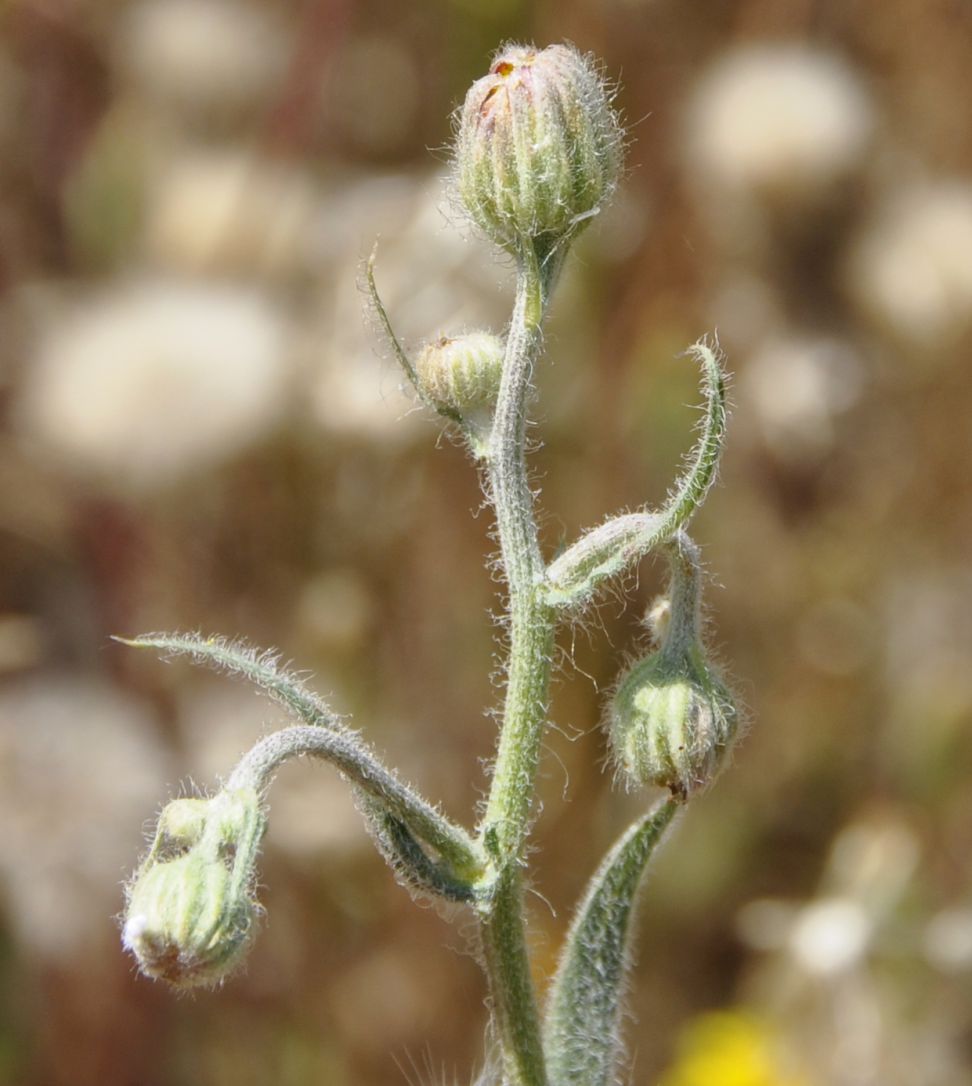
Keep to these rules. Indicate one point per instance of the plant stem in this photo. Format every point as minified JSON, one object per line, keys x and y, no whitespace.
{"x":344,"y":750}
{"x":506,"y":820}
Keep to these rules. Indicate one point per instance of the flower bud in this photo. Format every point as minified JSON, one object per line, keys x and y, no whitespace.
{"x":190,"y":913}
{"x":539,"y":147}
{"x":462,"y":374}
{"x":181,"y":824}
{"x":672,"y":721}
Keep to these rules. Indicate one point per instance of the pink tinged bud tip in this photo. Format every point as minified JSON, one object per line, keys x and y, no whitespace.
{"x":539,"y":147}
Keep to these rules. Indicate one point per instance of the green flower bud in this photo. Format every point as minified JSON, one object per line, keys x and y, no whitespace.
{"x":191,"y":910}
{"x":184,"y":924}
{"x":672,"y":721}
{"x":462,"y":375}
{"x":539,"y":148}
{"x":181,"y":824}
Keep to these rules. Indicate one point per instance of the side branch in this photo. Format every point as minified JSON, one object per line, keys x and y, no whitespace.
{"x":345,"y":750}
{"x":604,"y":552}
{"x":324,"y":736}
{"x":422,"y":875}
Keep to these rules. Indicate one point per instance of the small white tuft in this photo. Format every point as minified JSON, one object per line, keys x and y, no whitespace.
{"x":135,"y":928}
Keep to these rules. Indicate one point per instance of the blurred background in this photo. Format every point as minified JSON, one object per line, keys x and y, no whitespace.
{"x":199,"y":432}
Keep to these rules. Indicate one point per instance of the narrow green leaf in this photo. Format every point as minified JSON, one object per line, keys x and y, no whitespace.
{"x":261,"y":668}
{"x":581,"y":1035}
{"x":396,"y":348}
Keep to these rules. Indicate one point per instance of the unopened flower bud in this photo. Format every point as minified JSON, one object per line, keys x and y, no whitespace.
{"x":462,"y":373}
{"x":190,"y":907}
{"x":672,"y":722}
{"x":461,"y":376}
{"x":539,"y":147}
{"x":181,"y":824}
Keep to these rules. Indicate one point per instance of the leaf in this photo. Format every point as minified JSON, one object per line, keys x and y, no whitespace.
{"x":581,"y":1036}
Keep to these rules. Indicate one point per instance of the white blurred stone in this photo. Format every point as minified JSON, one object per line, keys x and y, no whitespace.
{"x":777,"y":120}
{"x":156,"y":379}
{"x":227,"y":211}
{"x":798,"y":387}
{"x":81,"y":770}
{"x":911,"y":270}
{"x":870,"y":865}
{"x":830,"y":936}
{"x":203,"y":54}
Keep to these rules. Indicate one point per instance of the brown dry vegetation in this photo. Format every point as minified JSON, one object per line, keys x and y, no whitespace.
{"x":197,"y":433}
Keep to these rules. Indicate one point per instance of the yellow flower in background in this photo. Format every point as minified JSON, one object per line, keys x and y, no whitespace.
{"x":731,"y":1048}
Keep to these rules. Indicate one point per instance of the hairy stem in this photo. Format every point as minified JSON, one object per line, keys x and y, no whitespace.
{"x":345,"y":751}
{"x":608,"y":550}
{"x":506,"y":820}
{"x":684,"y":592}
